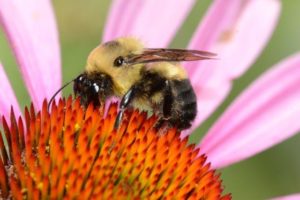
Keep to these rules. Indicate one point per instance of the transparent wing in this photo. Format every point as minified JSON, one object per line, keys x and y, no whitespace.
{"x":169,"y":55}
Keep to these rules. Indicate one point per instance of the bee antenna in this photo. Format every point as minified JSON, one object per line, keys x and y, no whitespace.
{"x":60,"y":89}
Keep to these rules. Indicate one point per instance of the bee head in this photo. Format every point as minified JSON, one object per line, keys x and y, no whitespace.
{"x":112,"y":59}
{"x":92,"y":88}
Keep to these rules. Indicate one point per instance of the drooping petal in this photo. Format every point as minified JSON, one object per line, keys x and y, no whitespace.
{"x":290,"y":197}
{"x":267,"y":113}
{"x":237,"y":32}
{"x":31,"y":30}
{"x":153,"y":21}
{"x":7,"y":96}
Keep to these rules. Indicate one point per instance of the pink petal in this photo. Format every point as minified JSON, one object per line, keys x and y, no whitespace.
{"x":153,"y":21}
{"x":7,"y":96}
{"x":31,"y":30}
{"x":249,"y":37}
{"x":237,"y":31}
{"x":267,"y":113}
{"x":290,"y":197}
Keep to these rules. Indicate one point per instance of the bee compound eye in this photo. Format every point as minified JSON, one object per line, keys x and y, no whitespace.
{"x":119,"y":61}
{"x":96,"y":87}
{"x":78,"y":83}
{"x":80,"y":78}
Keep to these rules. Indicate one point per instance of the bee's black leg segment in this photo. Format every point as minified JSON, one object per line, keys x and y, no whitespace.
{"x":168,"y":100}
{"x":118,"y":119}
{"x":126,"y":100}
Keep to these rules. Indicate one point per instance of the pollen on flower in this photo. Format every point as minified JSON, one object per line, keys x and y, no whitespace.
{"x":77,"y":127}
{"x":75,"y":153}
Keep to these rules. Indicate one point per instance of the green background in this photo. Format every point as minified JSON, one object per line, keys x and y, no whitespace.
{"x":272,"y":173}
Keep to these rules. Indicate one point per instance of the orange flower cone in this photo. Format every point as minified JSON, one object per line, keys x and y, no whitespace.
{"x":72,"y":153}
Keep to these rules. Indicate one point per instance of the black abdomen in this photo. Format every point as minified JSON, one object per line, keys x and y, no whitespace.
{"x":177,"y":106}
{"x":183,"y":108}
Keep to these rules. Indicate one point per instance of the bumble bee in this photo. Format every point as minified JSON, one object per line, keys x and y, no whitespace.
{"x":150,"y":79}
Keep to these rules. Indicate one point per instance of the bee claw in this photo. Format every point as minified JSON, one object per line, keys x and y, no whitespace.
{"x":118,"y":120}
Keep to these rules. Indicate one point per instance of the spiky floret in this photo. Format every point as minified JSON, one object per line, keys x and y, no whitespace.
{"x":72,"y":153}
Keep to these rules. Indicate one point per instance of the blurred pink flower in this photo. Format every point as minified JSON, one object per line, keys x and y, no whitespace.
{"x":265,"y":114}
{"x":289,"y":197}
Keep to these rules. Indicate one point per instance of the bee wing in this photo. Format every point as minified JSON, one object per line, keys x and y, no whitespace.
{"x":169,"y":55}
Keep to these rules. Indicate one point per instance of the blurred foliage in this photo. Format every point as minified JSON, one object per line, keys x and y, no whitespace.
{"x":272,"y":173}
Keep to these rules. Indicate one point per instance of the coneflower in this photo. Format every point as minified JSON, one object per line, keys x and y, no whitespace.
{"x":73,"y":153}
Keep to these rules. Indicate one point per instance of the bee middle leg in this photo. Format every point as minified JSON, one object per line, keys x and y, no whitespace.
{"x":168,"y":99}
{"x":126,"y":100}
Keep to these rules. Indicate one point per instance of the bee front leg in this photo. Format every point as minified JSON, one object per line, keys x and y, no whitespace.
{"x":126,"y":100}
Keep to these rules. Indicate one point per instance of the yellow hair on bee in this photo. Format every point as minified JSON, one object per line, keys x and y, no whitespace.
{"x":130,"y":44}
{"x":169,"y":70}
{"x":101,"y":60}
